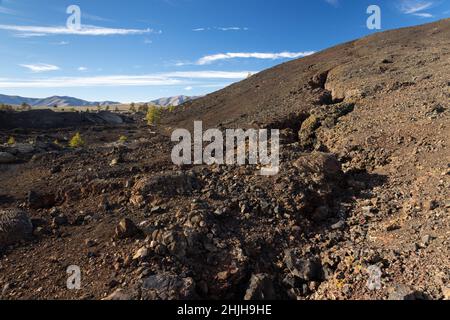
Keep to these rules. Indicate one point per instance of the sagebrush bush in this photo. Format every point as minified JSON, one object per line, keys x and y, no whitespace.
{"x":123,"y":139}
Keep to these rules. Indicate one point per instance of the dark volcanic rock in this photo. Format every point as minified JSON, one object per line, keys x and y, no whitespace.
{"x":7,"y":158}
{"x":307,"y":269}
{"x":165,"y":184}
{"x":168,"y":287}
{"x":15,"y":226}
{"x":403,"y":292}
{"x":40,"y":201}
{"x":47,"y":119}
{"x":319,"y":80}
{"x":126,"y":229}
{"x":319,"y":163}
{"x":260,"y":288}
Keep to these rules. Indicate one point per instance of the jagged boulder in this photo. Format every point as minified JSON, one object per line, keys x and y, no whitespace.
{"x":7,"y":158}
{"x":126,"y":229}
{"x":325,"y":116}
{"x":40,"y":201}
{"x":307,"y":134}
{"x":319,"y":163}
{"x":15,"y":226}
{"x":306,"y":269}
{"x":260,"y":288}
{"x":164,"y":184}
{"x":319,"y":80}
{"x":168,"y":287}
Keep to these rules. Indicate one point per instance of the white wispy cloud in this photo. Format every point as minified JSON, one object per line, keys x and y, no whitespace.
{"x":221,"y":29}
{"x":232,"y":28}
{"x":157,"y":79}
{"x":5,"y":10}
{"x":82,"y":69}
{"x":423,"y":15}
{"x":209,"y":74}
{"x":415,"y":8}
{"x":94,"y":17}
{"x":29,"y":35}
{"x":85,"y":30}
{"x":255,"y":55}
{"x":40,"y":67}
{"x":333,"y":2}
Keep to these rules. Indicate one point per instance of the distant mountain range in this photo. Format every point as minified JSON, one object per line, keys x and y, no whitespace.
{"x":62,"y":101}
{"x":172,"y":101}
{"x":52,"y":101}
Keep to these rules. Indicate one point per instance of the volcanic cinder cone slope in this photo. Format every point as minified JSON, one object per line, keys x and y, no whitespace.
{"x":367,"y":68}
{"x":362,"y":192}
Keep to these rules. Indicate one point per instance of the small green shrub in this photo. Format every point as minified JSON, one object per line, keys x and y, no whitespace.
{"x":153,"y":115}
{"x":11,"y":141}
{"x":77,"y":141}
{"x":123,"y":139}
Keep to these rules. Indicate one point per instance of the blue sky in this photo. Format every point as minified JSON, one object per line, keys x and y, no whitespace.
{"x":139,"y":50}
